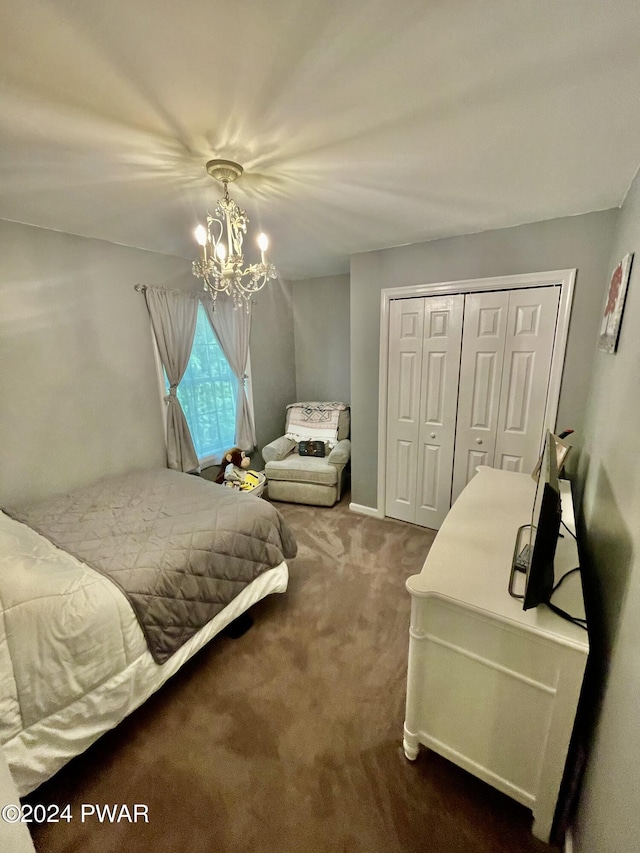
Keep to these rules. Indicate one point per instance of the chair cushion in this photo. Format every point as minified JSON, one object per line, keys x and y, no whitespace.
{"x":344,"y":423}
{"x":302,"y":469}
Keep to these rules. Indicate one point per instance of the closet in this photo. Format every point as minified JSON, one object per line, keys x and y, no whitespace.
{"x":467,"y":384}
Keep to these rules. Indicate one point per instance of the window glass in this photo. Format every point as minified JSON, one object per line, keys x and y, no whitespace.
{"x":208,"y":393}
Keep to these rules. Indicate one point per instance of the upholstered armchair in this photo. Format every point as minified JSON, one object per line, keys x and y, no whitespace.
{"x":309,"y":479}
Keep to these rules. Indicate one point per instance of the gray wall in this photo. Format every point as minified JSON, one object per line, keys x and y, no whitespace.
{"x":608,"y":816}
{"x":321,"y":326}
{"x":272,"y":363}
{"x":581,"y":242}
{"x":78,"y":384}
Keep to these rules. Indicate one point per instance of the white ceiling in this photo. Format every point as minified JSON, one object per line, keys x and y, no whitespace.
{"x":360,"y":125}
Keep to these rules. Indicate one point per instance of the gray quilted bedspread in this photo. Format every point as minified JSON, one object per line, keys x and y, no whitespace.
{"x":179,"y":547}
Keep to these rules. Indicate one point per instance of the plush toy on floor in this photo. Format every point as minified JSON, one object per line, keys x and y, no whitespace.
{"x":233,"y":473}
{"x":232,"y":468}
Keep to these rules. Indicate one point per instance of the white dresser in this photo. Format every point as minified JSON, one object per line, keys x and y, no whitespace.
{"x":490,"y":686}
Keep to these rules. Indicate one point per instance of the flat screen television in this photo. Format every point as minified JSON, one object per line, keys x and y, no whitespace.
{"x":536,"y":545}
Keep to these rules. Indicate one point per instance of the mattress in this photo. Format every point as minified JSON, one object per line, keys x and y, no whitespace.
{"x":73,"y":658}
{"x":179,"y":547}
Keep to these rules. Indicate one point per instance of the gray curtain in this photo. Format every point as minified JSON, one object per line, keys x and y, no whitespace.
{"x":232,"y":327}
{"x":173,"y":318}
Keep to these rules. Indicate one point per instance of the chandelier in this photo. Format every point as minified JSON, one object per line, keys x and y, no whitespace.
{"x":222,"y":266}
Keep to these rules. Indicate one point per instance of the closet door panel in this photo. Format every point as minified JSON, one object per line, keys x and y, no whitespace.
{"x":483,"y":342}
{"x":474,"y":459}
{"x":529,"y":343}
{"x":406,"y":326}
{"x":442,"y":340}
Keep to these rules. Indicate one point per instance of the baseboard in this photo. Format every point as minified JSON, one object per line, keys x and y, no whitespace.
{"x":373,"y":511}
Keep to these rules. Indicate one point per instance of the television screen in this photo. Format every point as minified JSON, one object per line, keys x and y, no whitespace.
{"x":545,"y":527}
{"x":536,"y":558}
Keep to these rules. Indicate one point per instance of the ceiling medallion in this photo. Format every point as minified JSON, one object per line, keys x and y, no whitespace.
{"x":221,"y":266}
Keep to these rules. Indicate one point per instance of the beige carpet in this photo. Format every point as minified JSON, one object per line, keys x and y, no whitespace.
{"x":288,"y":740}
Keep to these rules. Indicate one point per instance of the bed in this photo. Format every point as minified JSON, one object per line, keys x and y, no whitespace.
{"x":105,"y":592}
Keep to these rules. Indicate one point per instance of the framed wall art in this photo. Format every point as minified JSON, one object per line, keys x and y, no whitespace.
{"x":610,"y":327}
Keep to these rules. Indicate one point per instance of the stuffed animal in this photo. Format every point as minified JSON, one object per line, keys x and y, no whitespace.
{"x":232,"y":468}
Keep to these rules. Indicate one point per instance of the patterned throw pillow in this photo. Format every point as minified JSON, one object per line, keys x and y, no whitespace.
{"x":311,"y":448}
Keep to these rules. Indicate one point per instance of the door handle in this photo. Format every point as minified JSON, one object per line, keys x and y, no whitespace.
{"x":478,"y":441}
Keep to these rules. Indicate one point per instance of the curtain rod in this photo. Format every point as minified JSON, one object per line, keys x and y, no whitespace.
{"x":141,"y":288}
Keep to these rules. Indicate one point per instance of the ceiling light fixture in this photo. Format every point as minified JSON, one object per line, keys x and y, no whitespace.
{"x":222,"y":262}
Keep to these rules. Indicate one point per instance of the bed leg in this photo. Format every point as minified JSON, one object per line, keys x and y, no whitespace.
{"x":239,"y":626}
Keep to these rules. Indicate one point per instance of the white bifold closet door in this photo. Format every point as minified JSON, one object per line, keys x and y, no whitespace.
{"x":468,"y":376}
{"x":504,"y":376}
{"x":425,"y":336}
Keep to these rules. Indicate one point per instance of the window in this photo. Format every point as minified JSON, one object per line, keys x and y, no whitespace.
{"x":207,"y":394}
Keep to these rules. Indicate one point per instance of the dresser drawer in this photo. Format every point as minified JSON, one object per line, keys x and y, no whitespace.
{"x":486,"y":640}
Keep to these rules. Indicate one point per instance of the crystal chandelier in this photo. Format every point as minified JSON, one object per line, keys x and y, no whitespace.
{"x":222,"y":263}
